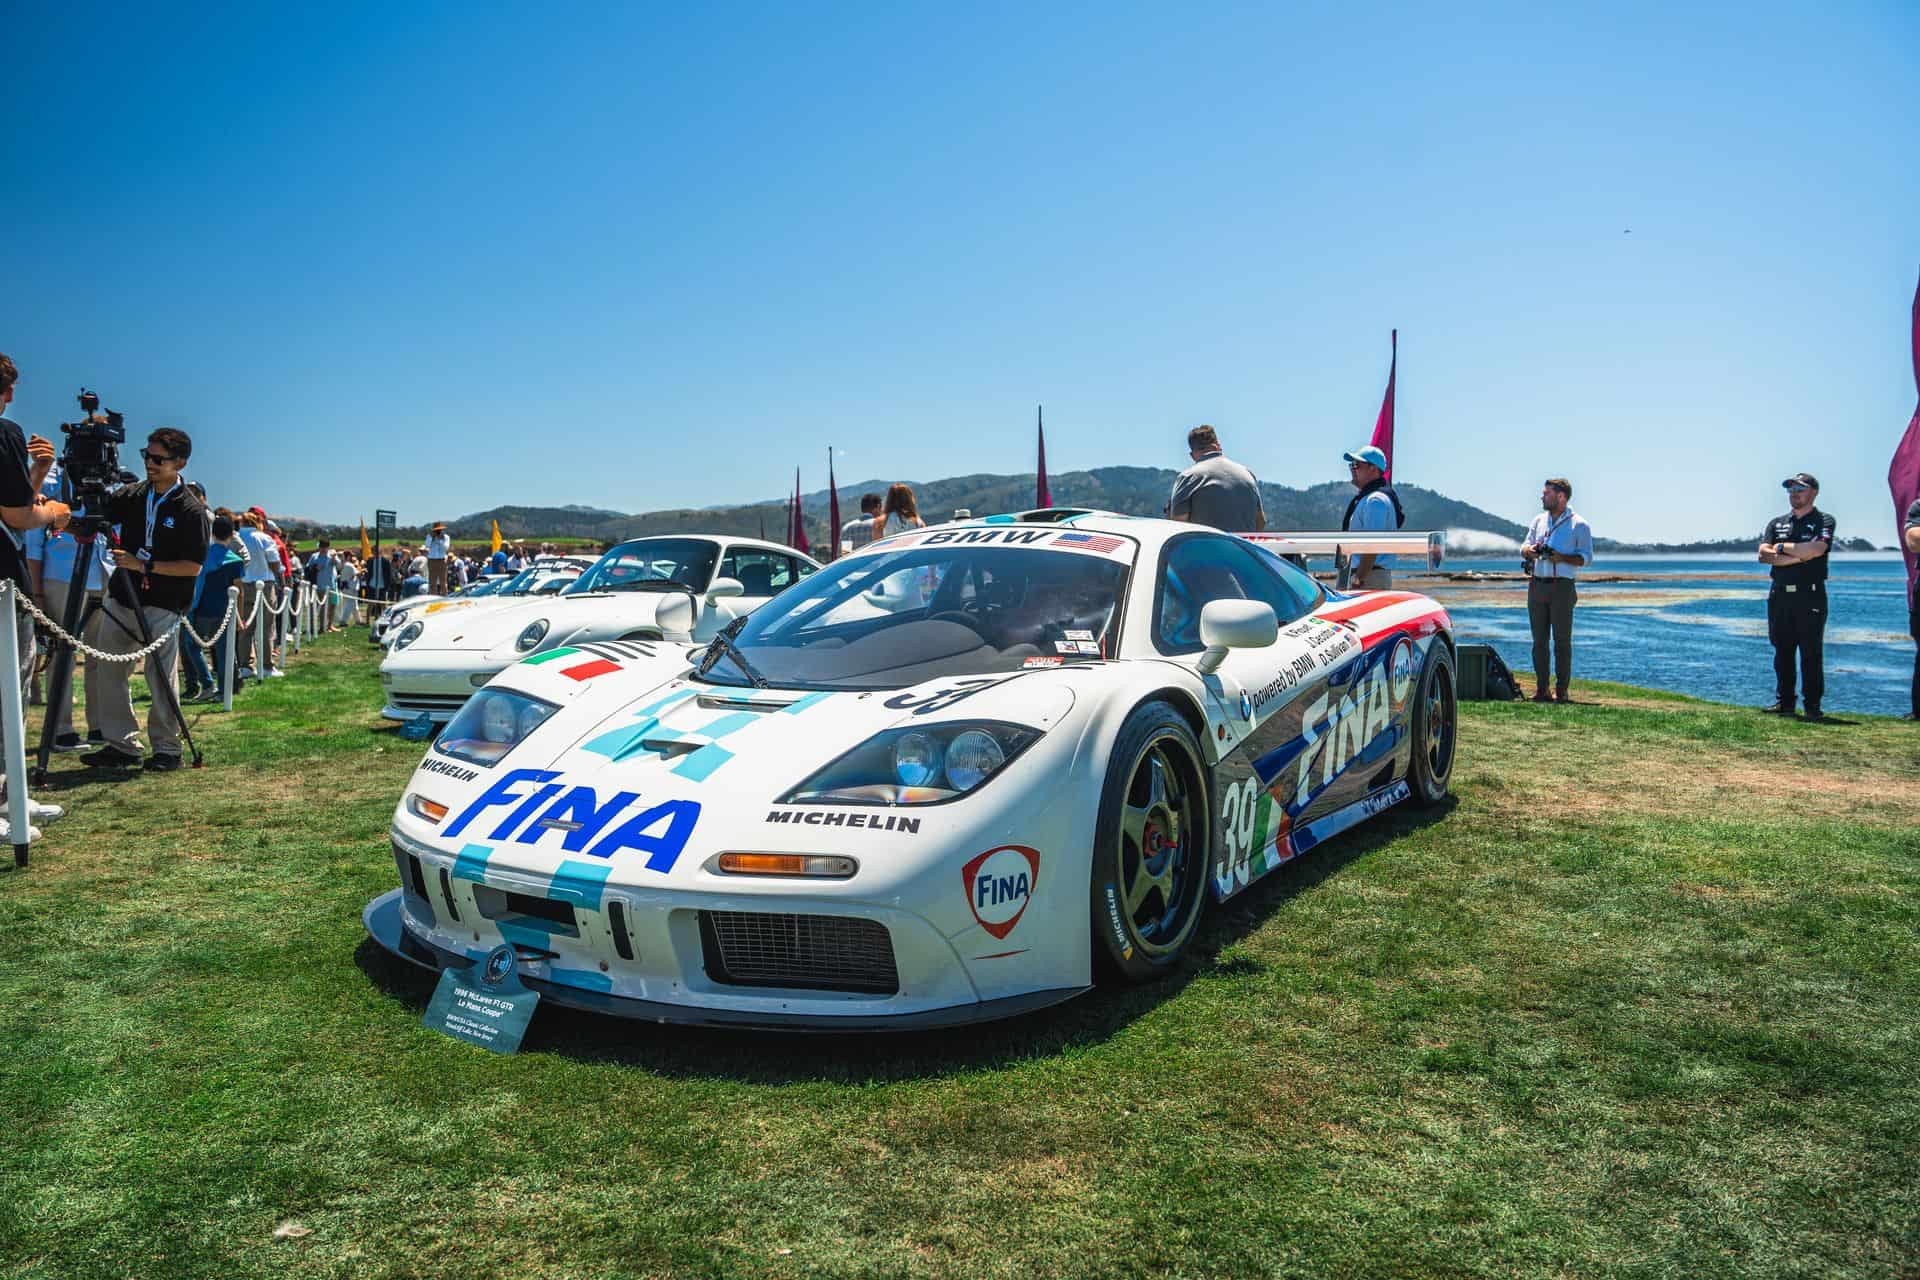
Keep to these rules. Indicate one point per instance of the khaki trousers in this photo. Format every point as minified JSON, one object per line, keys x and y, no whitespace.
{"x":120,"y":633}
{"x":1550,"y":610}
{"x":85,"y":670}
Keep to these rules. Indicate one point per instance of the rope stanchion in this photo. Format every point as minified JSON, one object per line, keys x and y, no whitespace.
{"x":101,"y":655}
{"x":227,"y":657}
{"x":13,"y":722}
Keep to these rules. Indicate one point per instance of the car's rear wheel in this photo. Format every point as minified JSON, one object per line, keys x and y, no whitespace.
{"x":1152,"y":844}
{"x":1435,"y":723}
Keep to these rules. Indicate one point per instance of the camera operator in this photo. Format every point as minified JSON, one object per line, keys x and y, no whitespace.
{"x":163,"y":542}
{"x":24,"y":465}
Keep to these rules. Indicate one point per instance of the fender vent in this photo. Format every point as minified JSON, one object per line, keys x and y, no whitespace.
{"x":816,"y":953}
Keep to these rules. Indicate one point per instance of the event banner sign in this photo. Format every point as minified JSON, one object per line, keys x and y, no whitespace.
{"x":386,"y":519}
{"x":484,"y":1004}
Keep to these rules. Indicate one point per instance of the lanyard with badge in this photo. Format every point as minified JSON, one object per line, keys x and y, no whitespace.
{"x":154,"y":502}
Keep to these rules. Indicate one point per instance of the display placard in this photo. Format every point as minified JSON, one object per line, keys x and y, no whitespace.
{"x":484,"y":1003}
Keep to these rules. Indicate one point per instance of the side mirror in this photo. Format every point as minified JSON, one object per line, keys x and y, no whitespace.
{"x":1234,"y":624}
{"x":725,"y":589}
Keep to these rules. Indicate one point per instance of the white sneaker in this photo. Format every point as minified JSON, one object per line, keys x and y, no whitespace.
{"x":244,"y":673}
{"x":6,"y":832}
{"x":276,"y":674}
{"x":37,"y":811}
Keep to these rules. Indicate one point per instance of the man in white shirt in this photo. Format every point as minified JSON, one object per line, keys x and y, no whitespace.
{"x":1559,"y":544}
{"x":437,"y":545}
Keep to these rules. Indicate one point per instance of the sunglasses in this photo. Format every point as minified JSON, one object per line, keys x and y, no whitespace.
{"x":155,"y":459}
{"x":1798,"y":488}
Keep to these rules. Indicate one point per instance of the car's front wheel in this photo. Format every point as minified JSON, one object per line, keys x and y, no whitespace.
{"x":1152,"y":843}
{"x":1435,"y":724}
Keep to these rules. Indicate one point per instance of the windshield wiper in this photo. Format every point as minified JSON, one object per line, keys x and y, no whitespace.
{"x":722,"y":644}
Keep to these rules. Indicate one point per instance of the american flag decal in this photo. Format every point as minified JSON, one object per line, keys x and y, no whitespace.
{"x":1087,"y":542}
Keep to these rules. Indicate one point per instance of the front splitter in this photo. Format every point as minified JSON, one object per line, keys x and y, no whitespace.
{"x":385,"y":926}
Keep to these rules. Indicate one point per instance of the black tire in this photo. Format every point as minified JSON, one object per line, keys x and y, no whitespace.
{"x":1436,"y":722}
{"x":1146,"y":892}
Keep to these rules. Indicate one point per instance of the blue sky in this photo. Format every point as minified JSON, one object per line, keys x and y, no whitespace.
{"x":438,"y":258}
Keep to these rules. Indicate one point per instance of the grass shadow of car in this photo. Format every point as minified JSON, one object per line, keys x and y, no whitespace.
{"x":780,"y":1057}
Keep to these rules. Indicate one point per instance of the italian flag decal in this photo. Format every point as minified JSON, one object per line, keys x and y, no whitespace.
{"x":586,"y":668}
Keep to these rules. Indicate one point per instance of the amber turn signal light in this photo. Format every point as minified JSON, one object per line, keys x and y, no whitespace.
{"x":829,"y":866}
{"x":421,"y":807}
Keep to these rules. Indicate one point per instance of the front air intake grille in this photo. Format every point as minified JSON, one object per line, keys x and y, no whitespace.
{"x":815,"y":953}
{"x":428,"y":701}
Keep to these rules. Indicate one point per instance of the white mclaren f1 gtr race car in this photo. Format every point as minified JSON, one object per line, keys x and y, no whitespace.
{"x":664,"y":588}
{"x":955,"y":776}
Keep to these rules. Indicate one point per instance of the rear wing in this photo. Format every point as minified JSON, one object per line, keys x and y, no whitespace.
{"x":1359,"y":542}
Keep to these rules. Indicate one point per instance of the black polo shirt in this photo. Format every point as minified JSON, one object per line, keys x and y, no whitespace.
{"x":16,"y":490}
{"x":179,"y":533}
{"x":1816,"y":524}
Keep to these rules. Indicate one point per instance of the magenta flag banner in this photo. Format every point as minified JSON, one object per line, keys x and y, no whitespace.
{"x":1042,"y":496}
{"x":1903,"y":476}
{"x":799,"y":540}
{"x":1383,"y":425}
{"x":833,"y":510}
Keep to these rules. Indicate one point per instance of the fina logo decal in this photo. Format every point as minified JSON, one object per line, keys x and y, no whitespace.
{"x":1400,"y":673}
{"x":999,"y":885}
{"x":661,"y":831}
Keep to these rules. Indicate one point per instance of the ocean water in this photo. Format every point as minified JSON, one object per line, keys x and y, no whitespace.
{"x":1698,"y":625}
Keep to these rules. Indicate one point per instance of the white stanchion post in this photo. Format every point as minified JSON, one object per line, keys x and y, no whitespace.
{"x":234,"y":632}
{"x":13,"y":723}
{"x":262,"y":635}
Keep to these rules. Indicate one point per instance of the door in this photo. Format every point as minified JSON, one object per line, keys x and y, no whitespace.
{"x":1289,"y":766}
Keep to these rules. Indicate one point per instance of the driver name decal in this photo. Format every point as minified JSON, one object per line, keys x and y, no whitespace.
{"x":999,"y":884}
{"x":584,"y":822}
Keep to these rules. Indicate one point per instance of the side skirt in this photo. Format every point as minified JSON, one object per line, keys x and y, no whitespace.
{"x":1289,"y":844}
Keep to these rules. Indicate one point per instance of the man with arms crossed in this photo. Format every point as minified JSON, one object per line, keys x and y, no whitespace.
{"x":1796,"y":545}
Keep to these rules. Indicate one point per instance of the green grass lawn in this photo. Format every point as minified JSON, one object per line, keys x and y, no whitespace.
{"x":1642,"y":1001}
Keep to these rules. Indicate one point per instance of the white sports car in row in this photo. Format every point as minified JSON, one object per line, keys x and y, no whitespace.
{"x":545,"y":576}
{"x":952,"y":777}
{"x":662,"y":588}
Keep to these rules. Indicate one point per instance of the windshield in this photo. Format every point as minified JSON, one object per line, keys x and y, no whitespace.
{"x":891,"y":619}
{"x":651,"y":564}
{"x":485,"y":587}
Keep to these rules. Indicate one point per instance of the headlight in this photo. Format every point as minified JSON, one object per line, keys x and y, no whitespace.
{"x":916,"y":766}
{"x":408,"y":634}
{"x":493,"y":722}
{"x":534,"y":633}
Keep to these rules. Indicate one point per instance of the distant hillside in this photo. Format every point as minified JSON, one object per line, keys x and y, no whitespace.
{"x":1139,"y":491}
{"x":1130,"y":490}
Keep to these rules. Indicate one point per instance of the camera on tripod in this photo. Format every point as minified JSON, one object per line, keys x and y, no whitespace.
{"x":91,"y":459}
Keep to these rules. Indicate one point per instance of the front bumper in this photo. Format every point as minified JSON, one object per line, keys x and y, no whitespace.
{"x":439,"y":691}
{"x":386,"y":925}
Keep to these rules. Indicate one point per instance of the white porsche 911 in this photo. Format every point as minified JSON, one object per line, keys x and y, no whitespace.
{"x":678,"y":587}
{"x":952,"y":777}
{"x":544,"y":577}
